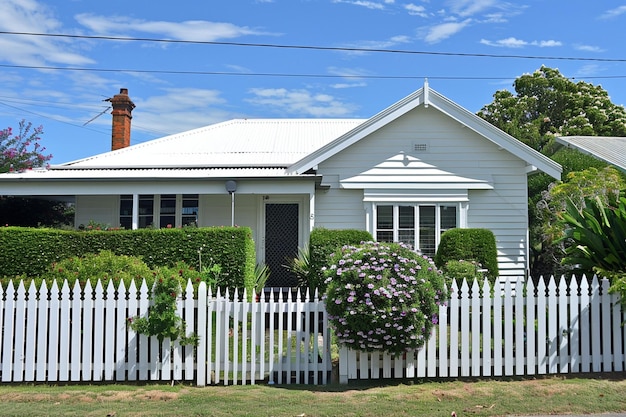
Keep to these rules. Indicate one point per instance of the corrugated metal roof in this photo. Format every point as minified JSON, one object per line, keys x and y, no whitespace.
{"x":610,"y":149}
{"x":235,"y":143}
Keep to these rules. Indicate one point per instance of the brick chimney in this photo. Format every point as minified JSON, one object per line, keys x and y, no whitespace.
{"x":122,"y":115}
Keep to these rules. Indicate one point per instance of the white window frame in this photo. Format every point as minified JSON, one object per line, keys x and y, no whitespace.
{"x":416,"y":212}
{"x":156,"y":210}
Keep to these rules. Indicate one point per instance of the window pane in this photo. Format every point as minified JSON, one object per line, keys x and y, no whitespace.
{"x":448,"y":217}
{"x":190,"y":209}
{"x":407,"y":217}
{"x":168,"y":206}
{"x":406,"y":221}
{"x":167,"y":221}
{"x":384,"y":236}
{"x":384,"y":217}
{"x":427,"y":230}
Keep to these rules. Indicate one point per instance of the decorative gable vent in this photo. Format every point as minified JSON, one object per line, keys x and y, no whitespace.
{"x":420,"y":147}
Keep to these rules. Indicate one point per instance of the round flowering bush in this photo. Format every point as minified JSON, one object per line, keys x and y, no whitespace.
{"x":383,"y":296}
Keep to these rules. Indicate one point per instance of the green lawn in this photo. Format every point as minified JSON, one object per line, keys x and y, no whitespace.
{"x":466,"y":398}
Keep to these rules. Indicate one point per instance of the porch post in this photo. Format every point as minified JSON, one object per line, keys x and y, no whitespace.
{"x":311,"y":210}
{"x":135,"y":221}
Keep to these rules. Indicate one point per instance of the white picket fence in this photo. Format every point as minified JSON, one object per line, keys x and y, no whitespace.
{"x":61,"y":334}
{"x":519,"y":329}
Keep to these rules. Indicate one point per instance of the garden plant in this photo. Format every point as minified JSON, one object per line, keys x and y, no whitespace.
{"x":383,"y":296}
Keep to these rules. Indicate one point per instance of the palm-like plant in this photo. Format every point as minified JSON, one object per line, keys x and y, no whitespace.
{"x":595,"y":238}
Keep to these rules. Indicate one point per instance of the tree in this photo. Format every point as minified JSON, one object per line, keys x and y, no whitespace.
{"x":22,"y":151}
{"x":545,"y":105}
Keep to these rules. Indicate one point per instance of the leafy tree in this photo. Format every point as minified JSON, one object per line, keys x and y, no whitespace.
{"x":22,"y":151}
{"x":545,"y":105}
{"x":595,"y":235}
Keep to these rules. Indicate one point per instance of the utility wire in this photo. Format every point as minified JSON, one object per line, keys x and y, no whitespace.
{"x":271,"y":74}
{"x":309,"y":47}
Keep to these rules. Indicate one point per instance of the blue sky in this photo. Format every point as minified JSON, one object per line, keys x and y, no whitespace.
{"x":318,"y":64}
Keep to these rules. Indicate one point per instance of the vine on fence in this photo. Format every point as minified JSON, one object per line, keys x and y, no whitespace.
{"x":162,"y":320}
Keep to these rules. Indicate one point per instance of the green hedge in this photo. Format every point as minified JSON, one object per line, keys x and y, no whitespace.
{"x":30,"y":251}
{"x":469,"y":245}
{"x":323,"y":242}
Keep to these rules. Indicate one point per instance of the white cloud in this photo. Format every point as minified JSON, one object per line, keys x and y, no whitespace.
{"x":179,"y":109}
{"x":34,"y":17}
{"x":416,"y":10}
{"x":367,"y":4}
{"x":507,"y":43}
{"x":300,"y":102}
{"x":197,"y":30}
{"x":588,"y":48}
{"x":512,"y":42}
{"x":465,"y":8}
{"x":613,"y":13}
{"x":445,"y":30}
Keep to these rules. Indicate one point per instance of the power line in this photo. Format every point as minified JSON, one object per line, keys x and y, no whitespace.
{"x":310,"y":47}
{"x":271,"y":74}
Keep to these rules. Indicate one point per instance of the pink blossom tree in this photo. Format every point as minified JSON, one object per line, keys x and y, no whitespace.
{"x":22,"y":151}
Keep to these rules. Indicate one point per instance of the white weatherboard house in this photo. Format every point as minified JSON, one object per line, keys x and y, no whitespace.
{"x":419,"y":167}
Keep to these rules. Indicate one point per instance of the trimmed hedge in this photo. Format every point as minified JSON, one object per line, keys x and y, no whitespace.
{"x":30,"y":251}
{"x":322,"y":244}
{"x":469,"y":245}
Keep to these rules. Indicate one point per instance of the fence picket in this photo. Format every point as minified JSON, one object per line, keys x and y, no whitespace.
{"x":542,"y":335}
{"x":121,"y":334}
{"x":497,"y":331}
{"x":563,"y":327}
{"x":89,"y":334}
{"x":616,"y":330}
{"x":574,"y":326}
{"x":18,"y":344}
{"x":530,"y":343}
{"x":30,"y":358}
{"x":519,"y":353}
{"x":76,"y":325}
{"x":53,"y":336}
{"x":454,"y":332}
{"x":585,"y":348}
{"x":553,"y":336}
{"x":595,"y":318}
{"x":64,"y":333}
{"x":605,"y":303}
{"x":7,"y":337}
{"x":465,"y":328}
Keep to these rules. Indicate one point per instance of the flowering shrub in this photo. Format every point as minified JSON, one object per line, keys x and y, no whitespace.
{"x":383,"y":296}
{"x":22,"y":151}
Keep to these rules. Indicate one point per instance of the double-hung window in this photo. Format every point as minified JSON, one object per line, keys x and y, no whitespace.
{"x":419,"y":225}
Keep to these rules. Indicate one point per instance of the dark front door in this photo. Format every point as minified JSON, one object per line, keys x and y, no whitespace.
{"x":281,"y":243}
